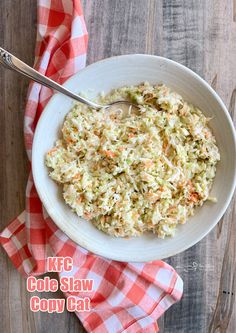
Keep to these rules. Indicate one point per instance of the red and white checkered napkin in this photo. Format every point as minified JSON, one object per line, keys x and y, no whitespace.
{"x":127,"y":297}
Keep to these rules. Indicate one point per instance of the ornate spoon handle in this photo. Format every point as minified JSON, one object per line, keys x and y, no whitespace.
{"x":12,"y":62}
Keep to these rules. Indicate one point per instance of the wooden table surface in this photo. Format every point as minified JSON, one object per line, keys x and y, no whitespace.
{"x":200,"y":34}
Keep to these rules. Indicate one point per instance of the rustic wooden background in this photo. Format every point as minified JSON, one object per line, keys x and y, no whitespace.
{"x":200,"y":34}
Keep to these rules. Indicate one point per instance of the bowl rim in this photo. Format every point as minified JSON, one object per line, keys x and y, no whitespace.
{"x":88,"y":246}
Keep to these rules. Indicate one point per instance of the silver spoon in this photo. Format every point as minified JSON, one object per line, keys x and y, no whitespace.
{"x":12,"y":62}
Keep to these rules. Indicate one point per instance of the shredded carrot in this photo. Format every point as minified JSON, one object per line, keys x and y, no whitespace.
{"x":79,"y":200}
{"x":109,"y":153}
{"x":182,"y":183}
{"x":69,"y":140}
{"x":87,"y":216}
{"x":165,"y":144}
{"x":194,"y":197}
{"x":131,"y":129}
{"x":131,"y":135}
{"x":52,"y":150}
{"x":77,"y":176}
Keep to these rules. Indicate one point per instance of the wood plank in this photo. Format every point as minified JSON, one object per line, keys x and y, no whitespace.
{"x":219,"y":65}
{"x":13,"y":164}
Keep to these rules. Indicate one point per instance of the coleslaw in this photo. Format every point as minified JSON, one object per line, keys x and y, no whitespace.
{"x":132,"y":173}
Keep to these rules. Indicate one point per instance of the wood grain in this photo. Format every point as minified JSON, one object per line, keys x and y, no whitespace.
{"x":199,"y":34}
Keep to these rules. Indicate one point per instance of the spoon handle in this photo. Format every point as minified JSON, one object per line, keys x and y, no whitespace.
{"x":12,"y":62}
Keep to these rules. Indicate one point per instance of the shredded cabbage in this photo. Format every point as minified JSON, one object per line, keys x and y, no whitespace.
{"x":134,"y":173}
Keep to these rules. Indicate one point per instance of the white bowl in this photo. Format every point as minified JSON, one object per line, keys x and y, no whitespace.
{"x":117,"y":72}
